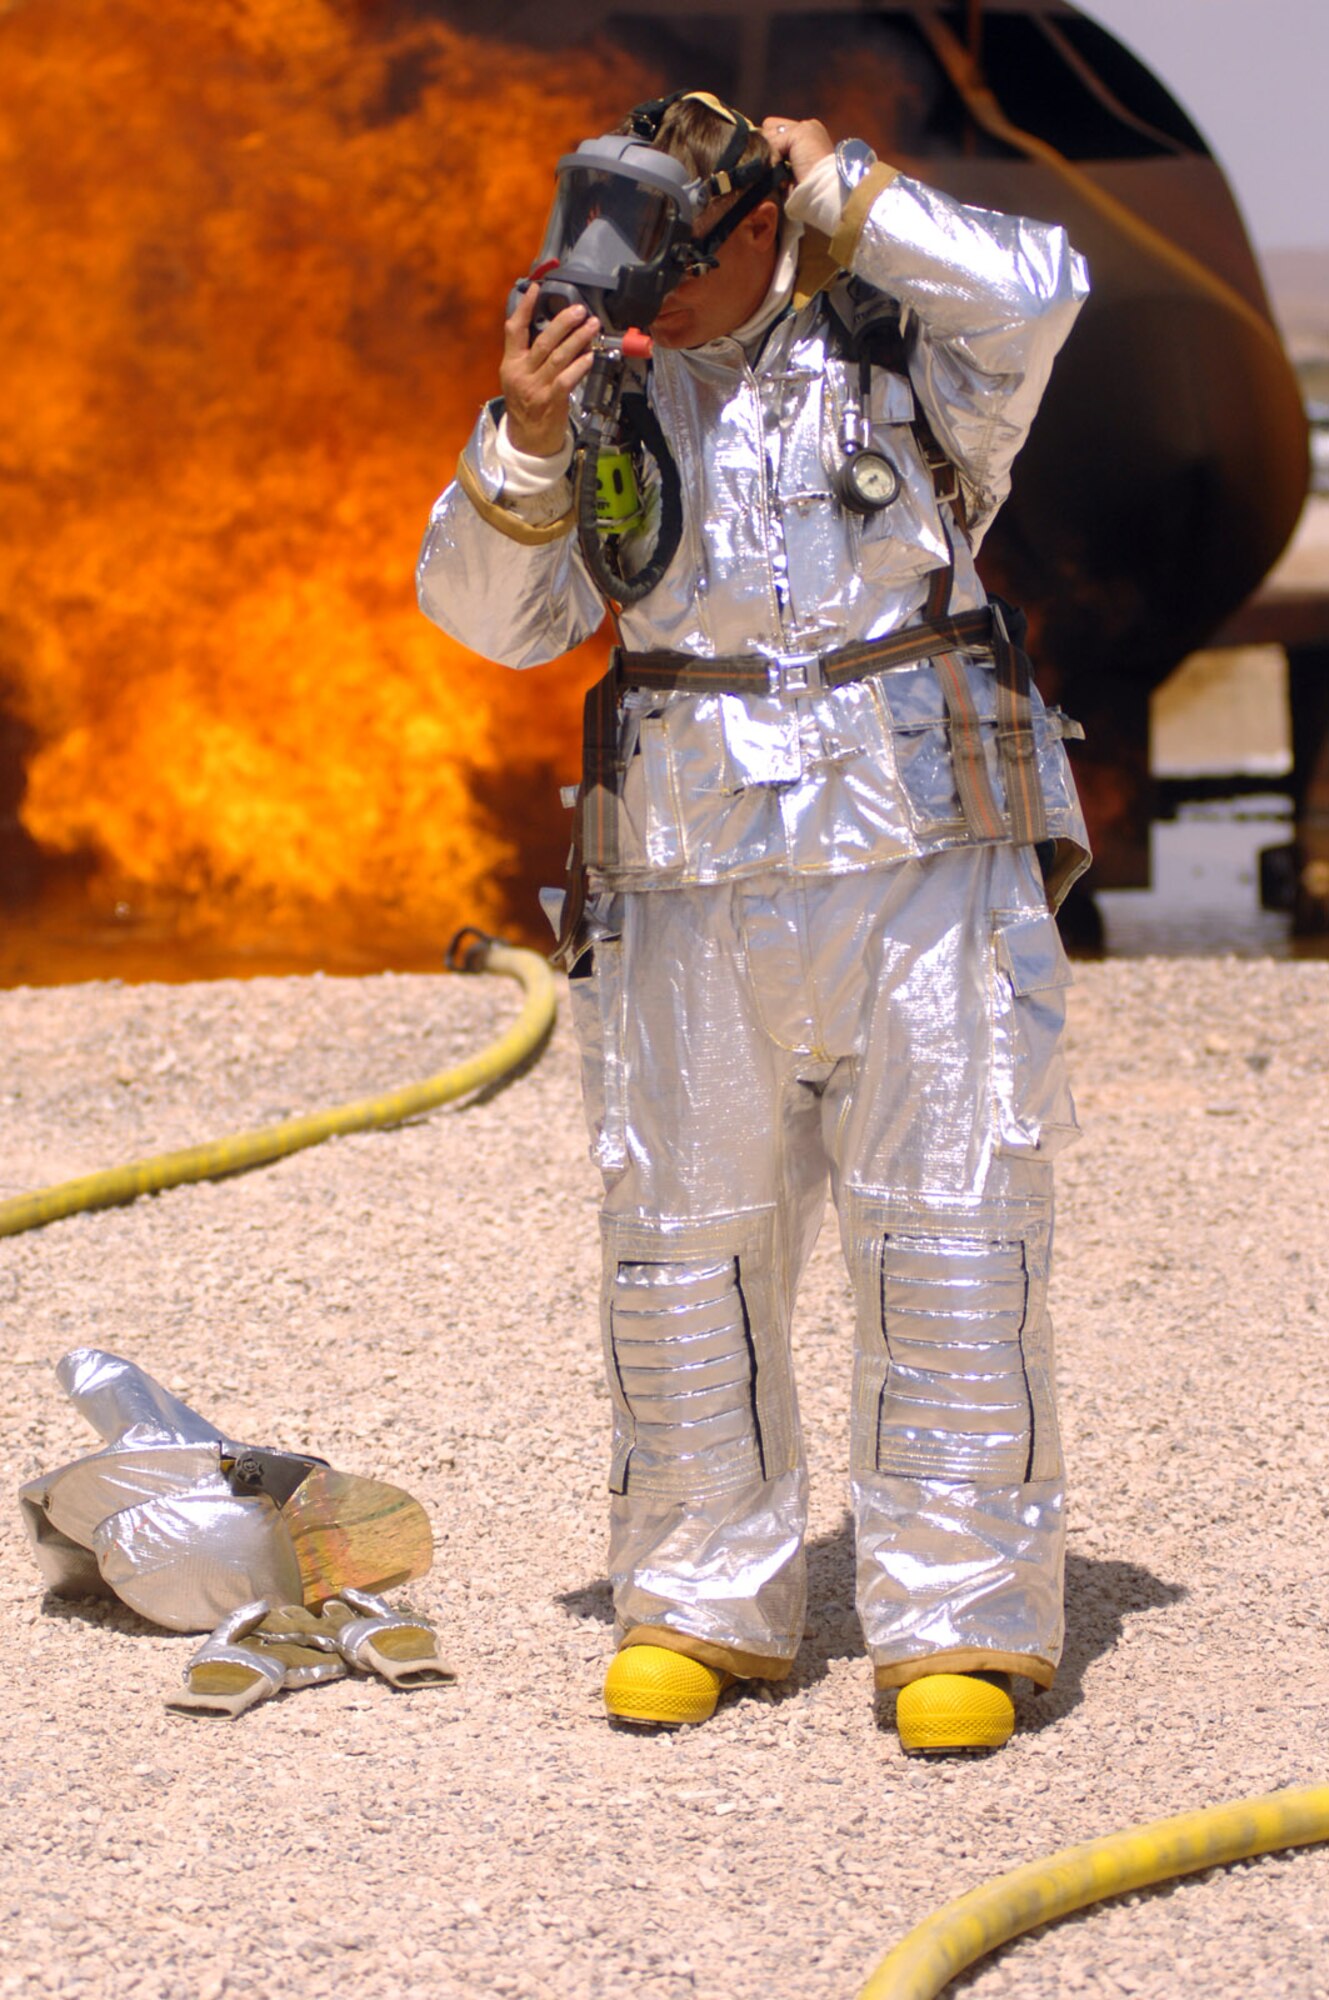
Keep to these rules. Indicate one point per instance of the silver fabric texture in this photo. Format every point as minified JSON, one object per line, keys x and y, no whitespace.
{"x":829,"y":782}
{"x":807,"y":972}
{"x":680,"y":1345}
{"x":152,"y":1518}
{"x":750,"y":1045}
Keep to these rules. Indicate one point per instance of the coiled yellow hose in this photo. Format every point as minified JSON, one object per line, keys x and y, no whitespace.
{"x":965,"y":1930}
{"x":273,"y":1142}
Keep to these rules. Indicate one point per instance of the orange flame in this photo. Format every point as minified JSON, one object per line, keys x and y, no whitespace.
{"x":258,"y":254}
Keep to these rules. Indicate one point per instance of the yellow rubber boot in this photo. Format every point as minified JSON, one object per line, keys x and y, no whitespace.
{"x":652,"y":1684}
{"x":945,"y":1713}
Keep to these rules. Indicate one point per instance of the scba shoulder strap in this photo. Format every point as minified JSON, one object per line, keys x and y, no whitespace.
{"x":870,"y":332}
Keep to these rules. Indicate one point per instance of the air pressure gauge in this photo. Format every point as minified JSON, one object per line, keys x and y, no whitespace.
{"x":867,"y":482}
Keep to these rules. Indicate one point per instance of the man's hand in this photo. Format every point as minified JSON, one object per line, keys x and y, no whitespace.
{"x":538,"y":376}
{"x":801,"y":141}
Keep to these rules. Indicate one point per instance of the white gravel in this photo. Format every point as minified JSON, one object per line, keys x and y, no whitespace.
{"x":420,"y":1304}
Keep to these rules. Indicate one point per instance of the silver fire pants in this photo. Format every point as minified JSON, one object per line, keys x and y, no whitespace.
{"x":895,"y":1033}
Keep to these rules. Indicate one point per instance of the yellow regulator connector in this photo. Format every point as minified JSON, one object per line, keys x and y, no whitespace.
{"x":964,"y":1931}
{"x":273,"y":1142}
{"x":617,"y":500}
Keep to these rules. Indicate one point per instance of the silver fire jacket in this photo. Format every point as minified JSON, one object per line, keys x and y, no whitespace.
{"x":802,"y":779}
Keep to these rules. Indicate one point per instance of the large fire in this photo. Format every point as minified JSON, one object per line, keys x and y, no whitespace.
{"x":257,"y":254}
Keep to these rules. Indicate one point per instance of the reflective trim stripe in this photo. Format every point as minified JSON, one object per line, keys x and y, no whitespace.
{"x":856,"y":210}
{"x":503,"y":518}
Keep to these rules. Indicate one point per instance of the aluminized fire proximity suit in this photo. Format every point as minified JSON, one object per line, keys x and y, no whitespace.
{"x":807,"y":963}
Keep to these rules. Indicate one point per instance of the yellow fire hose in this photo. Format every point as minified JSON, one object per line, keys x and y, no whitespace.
{"x":274,"y":1142}
{"x":973,"y":1925}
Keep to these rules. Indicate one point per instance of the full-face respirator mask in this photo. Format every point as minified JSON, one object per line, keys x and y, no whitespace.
{"x":620,"y":234}
{"x":620,"y":237}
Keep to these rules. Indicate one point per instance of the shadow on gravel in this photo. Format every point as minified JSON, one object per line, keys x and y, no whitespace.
{"x":833,"y":1631}
{"x":1100,"y":1594}
{"x":108,"y":1614}
{"x":593,"y":1600}
{"x":503,"y":1083}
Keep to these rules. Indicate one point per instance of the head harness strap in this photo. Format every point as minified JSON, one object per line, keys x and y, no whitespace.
{"x":646,"y":119}
{"x":755,"y":181}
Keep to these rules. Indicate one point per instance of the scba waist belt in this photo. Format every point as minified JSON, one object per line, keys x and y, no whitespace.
{"x":751,"y":673}
{"x":995,"y":628}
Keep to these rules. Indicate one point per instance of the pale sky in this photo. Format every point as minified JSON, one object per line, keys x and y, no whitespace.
{"x":1253,"y":75}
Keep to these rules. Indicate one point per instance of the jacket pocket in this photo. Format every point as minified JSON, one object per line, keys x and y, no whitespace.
{"x":1033,"y":1108}
{"x":595,"y":996}
{"x":921,"y":742}
{"x":649,"y":816}
{"x":927,"y":774}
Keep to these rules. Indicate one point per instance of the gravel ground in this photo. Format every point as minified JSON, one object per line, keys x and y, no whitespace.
{"x":419,"y":1305}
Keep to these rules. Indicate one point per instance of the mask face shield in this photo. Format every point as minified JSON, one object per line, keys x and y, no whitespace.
{"x":607,"y":219}
{"x":622,"y":215}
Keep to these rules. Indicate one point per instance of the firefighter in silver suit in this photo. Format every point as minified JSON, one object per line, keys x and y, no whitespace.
{"x":814,"y":945}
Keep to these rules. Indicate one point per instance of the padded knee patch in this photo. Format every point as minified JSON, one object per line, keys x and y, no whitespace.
{"x":683,"y":1357}
{"x":697,"y":1356}
{"x":953,"y":1370}
{"x":954,"y":1399}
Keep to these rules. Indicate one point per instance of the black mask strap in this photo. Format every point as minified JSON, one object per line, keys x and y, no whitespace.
{"x":645,"y":120}
{"x":724,"y":178}
{"x":701,"y":250}
{"x":754,"y":182}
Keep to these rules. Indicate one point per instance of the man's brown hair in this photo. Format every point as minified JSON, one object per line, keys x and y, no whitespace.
{"x":693,"y":133}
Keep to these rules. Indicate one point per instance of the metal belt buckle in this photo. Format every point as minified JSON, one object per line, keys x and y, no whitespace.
{"x":800,"y":675}
{"x":999,"y":621}
{"x":945,"y":475}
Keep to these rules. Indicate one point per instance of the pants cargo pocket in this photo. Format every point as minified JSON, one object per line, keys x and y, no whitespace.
{"x":1032,"y":1104}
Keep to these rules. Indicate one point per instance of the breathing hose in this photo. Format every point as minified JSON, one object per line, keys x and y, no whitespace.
{"x":1004,"y":1908}
{"x":470,"y":951}
{"x":640,"y":428}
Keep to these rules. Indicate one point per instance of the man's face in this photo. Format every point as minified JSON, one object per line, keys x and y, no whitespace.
{"x":706,"y":307}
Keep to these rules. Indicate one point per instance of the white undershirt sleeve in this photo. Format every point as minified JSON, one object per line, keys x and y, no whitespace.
{"x":818,"y":199}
